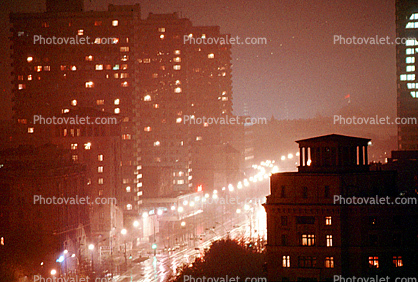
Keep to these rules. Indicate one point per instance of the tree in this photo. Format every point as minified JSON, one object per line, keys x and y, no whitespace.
{"x":225,"y":258}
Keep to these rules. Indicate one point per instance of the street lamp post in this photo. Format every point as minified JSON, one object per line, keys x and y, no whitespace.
{"x":91,"y":248}
{"x":123,"y":231}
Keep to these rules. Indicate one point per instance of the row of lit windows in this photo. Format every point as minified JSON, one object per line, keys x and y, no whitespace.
{"x":90,"y":84}
{"x":87,"y":146}
{"x":409,"y":77}
{"x":307,"y":262}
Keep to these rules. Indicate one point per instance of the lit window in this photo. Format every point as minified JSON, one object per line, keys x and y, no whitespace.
{"x":414,"y":94}
{"x":161,"y":29}
{"x":124,"y":67}
{"x":100,"y":102}
{"x":124,"y":58}
{"x":178,"y":120}
{"x":115,"y":67}
{"x":147,"y":98}
{"x":80,"y":32}
{"x":124,"y":49}
{"x":147,"y":128}
{"x":117,"y":111}
{"x":38,"y":68}
{"x":373,"y":262}
{"x":411,"y":42}
{"x":157,"y":143}
{"x":203,"y":35}
{"x":198,"y":138}
{"x":177,"y":59}
{"x":124,"y":75}
{"x":100,"y":169}
{"x":116,"y":75}
{"x":410,"y":60}
{"x":74,"y":103}
{"x":410,"y":77}
{"x":125,"y":84}
{"x":128,"y":189}
{"x":410,"y":68}
{"x":155,"y":75}
{"x":89,"y":84}
{"x":73,"y":68}
{"x":100,"y":181}
{"x":211,"y":56}
{"x":116,"y":102}
{"x":29,"y":59}
{"x":176,"y":67}
{"x":191,"y":35}
{"x":177,"y":52}
{"x":410,"y":51}
{"x":87,"y":146}
{"x":98,"y":40}
{"x":31,"y":130}
{"x":177,"y":90}
{"x":308,"y":240}
{"x":412,"y":85}
{"x":329,"y":262}
{"x":147,"y":60}
{"x":161,"y":36}
{"x":328,"y":220}
{"x":286,"y":261}
{"x":99,"y":67}
{"x":156,"y":106}
{"x":178,"y":82}
{"x":100,"y":158}
{"x":329,"y":240}
{"x":115,"y":23}
{"x":115,"y":40}
{"x":21,"y":86}
{"x":403,"y":77}
{"x":74,"y":157}
{"x":30,"y":77}
{"x":126,"y":136}
{"x":180,"y":181}
{"x":129,"y":207}
{"x":397,"y":261}
{"x":224,"y":98}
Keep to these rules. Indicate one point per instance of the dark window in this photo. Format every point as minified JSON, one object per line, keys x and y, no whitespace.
{"x":306,"y":262}
{"x":305,"y":220}
{"x":283,"y":192}
{"x":284,"y":240}
{"x":305,"y":192}
{"x":284,"y":220}
{"x":326,"y":192}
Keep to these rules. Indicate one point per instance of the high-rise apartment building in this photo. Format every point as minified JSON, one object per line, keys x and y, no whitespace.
{"x":144,"y":71}
{"x":51,"y":77}
{"x":180,"y":84}
{"x":407,"y":99}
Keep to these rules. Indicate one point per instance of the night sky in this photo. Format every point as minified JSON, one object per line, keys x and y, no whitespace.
{"x":300,"y":73}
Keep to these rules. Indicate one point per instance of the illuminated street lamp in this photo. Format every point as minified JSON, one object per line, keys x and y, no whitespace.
{"x":136,"y":223}
{"x":91,"y":248}
{"x":53,"y":272}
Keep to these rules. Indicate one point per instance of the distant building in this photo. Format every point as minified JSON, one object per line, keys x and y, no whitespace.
{"x":30,"y":178}
{"x":407,"y":99}
{"x":312,"y":237}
